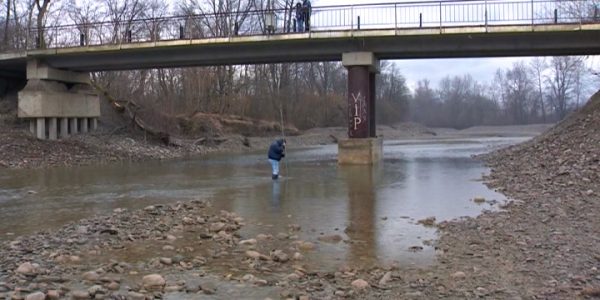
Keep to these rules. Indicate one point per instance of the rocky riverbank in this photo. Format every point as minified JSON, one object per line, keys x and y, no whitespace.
{"x":19,"y":149}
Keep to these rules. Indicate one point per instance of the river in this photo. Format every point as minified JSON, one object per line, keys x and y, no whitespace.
{"x":374,"y":209}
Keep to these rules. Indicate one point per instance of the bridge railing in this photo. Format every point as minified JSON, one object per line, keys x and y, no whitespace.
{"x":402,"y":15}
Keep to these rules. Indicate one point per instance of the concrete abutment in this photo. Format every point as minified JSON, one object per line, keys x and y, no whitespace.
{"x":362,"y":146}
{"x":55,"y":101}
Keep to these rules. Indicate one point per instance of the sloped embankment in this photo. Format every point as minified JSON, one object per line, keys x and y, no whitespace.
{"x":545,"y":245}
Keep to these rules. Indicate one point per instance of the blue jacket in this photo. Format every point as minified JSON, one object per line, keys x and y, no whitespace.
{"x":277,"y":150}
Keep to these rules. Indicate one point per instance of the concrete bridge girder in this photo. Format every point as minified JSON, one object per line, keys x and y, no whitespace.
{"x":53,"y":99}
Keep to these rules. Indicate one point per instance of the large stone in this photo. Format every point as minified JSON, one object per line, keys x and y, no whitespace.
{"x":91,"y":276}
{"x":153,"y":282}
{"x":80,"y":295}
{"x":136,"y":296}
{"x":26,"y":269}
{"x":360,"y":284}
{"x":36,"y":296}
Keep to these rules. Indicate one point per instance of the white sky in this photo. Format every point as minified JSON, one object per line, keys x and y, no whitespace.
{"x":482,"y":69}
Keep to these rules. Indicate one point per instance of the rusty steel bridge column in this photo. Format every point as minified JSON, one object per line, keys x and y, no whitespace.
{"x":362,"y":145}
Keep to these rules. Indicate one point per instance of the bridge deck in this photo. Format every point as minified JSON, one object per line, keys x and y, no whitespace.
{"x":445,"y":42}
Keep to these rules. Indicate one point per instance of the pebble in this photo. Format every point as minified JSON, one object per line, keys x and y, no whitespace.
{"x":458,"y":275}
{"x":280,"y":256}
{"x":335,"y":238}
{"x":166,"y":261}
{"x":360,"y":284}
{"x":153,"y":282}
{"x":216,"y":227}
{"x":80,"y":295}
{"x":208,"y":288}
{"x":479,"y":199}
{"x":307,"y":246}
{"x":113,"y":286}
{"x":36,"y":296}
{"x":168,"y":248}
{"x":136,"y":296}
{"x":173,"y":288}
{"x":53,"y":295}
{"x":91,"y":276}
{"x":385,"y":278}
{"x":253,"y":254}
{"x":248,"y":242}
{"x":192,"y":287}
{"x":26,"y":269}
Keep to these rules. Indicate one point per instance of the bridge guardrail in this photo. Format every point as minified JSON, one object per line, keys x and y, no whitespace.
{"x":401,"y":15}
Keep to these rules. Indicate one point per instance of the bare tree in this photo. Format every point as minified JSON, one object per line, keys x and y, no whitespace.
{"x":537,"y":66}
{"x":42,"y":9}
{"x":561,"y":82}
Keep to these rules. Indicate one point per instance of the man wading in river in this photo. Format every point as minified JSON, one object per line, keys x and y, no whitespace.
{"x":276,"y":153}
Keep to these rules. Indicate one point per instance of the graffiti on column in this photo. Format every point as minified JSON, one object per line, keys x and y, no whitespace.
{"x":358,"y":110}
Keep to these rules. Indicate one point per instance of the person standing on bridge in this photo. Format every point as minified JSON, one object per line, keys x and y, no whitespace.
{"x":276,"y":153}
{"x":307,"y":8}
{"x":299,"y":18}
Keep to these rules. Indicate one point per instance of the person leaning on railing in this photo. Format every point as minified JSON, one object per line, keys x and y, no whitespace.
{"x":307,"y":7}
{"x":299,"y":17}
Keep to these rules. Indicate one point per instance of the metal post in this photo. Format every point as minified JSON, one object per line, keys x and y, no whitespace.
{"x":358,"y":22}
{"x":555,"y":16}
{"x":486,"y":14}
{"x":81,"y":39}
{"x":440,"y":15}
{"x":129,"y":36}
{"x":181,"y":35}
{"x":352,"y":17}
{"x":532,"y":18}
{"x":395,"y":15}
{"x":420,"y":20}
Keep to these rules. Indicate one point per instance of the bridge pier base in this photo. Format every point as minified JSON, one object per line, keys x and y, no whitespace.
{"x":54,"y":96}
{"x":362,"y":146}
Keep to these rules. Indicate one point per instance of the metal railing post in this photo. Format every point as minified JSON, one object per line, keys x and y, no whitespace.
{"x":532,"y":15}
{"x":555,"y":16}
{"x":358,"y":22}
{"x":486,"y":15}
{"x":352,"y":17}
{"x":440,"y":15}
{"x":395,"y":15}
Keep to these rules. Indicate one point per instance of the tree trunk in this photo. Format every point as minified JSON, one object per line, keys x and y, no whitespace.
{"x":6,"y":23}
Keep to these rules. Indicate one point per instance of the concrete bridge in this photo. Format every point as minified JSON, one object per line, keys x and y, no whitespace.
{"x":59,"y":100}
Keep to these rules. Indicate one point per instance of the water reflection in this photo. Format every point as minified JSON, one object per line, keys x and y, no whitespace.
{"x":362,"y":200}
{"x":275,"y":196}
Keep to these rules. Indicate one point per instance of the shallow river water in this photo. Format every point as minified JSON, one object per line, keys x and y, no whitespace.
{"x":377,"y":208}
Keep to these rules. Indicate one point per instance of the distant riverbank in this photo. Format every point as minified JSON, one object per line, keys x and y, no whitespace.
{"x":21,"y":150}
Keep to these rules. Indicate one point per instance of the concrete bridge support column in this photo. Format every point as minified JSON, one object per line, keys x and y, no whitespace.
{"x":51,"y":95}
{"x":74,"y":126}
{"x":64,"y":128}
{"x":362,"y":146}
{"x":84,"y":125}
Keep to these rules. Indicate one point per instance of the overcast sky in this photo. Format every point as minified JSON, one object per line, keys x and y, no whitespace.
{"x":482,"y":69}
